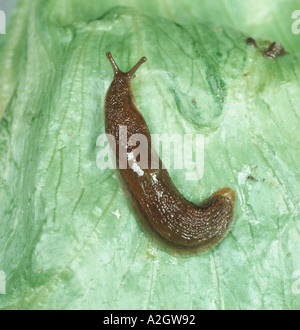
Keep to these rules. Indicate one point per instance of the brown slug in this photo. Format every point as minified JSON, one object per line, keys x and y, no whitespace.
{"x":153,"y":195}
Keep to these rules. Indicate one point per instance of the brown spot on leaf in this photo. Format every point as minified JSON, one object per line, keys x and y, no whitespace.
{"x":274,"y":50}
{"x":251,"y":178}
{"x":251,"y":42}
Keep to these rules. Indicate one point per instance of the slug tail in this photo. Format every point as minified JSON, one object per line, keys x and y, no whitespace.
{"x":228,"y":193}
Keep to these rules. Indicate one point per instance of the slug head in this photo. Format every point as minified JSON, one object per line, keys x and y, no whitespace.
{"x":118,"y":74}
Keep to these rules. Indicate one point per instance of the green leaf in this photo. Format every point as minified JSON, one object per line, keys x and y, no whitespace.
{"x":61,"y":245}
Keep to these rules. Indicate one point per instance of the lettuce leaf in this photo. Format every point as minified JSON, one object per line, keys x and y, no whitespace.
{"x":61,"y":245}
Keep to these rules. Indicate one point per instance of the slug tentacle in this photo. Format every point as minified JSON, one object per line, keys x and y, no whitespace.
{"x":113,"y":63}
{"x":157,"y":201}
{"x":132,"y":71}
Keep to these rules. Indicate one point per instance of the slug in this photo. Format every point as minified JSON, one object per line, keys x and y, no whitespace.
{"x":160,"y":206}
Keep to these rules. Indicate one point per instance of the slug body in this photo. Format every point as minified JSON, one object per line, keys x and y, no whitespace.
{"x":153,"y":195}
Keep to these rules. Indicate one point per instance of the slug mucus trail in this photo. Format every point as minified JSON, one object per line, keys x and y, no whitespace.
{"x":158,"y":203}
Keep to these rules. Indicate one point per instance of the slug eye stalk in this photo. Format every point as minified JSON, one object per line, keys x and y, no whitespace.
{"x":131,"y":72}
